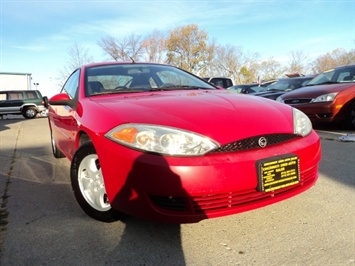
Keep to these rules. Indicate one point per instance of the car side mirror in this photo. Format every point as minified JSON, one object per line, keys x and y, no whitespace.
{"x":45,"y":101}
{"x":62,"y":99}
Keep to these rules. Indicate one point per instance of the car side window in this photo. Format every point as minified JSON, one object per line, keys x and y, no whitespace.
{"x":71,"y":85}
{"x":15,"y":96}
{"x":2,"y":96}
{"x":217,"y":82}
{"x":346,"y":75}
{"x":31,"y":95}
{"x":228,"y":83}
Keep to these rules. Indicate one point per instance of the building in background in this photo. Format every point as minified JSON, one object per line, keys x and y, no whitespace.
{"x":16,"y":81}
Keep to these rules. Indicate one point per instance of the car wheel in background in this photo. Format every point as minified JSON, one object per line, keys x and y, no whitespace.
{"x":29,"y":112}
{"x":88,"y":184}
{"x":350,"y":117}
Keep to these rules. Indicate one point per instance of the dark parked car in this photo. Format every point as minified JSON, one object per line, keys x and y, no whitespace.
{"x":282,"y":86}
{"x":25,"y":102}
{"x":250,"y":87}
{"x":329,"y":97}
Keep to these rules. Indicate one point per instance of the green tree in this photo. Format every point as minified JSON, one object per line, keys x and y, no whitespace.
{"x":187,"y":48}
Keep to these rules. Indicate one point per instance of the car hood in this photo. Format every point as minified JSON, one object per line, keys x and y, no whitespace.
{"x":220,"y":115}
{"x":315,"y":91}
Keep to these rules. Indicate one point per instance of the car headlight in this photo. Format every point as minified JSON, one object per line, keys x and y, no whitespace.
{"x":301,"y":123}
{"x":161,"y":139}
{"x":326,"y":97}
{"x":279,"y":99}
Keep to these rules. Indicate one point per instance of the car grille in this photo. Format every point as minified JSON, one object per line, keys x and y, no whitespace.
{"x":298,"y":101}
{"x":253,"y":142}
{"x":219,"y":202}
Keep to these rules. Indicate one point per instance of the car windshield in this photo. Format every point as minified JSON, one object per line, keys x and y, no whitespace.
{"x":256,"y":89}
{"x":338,"y":75}
{"x":245,"y":88}
{"x":127,"y":78}
{"x":287,"y":84}
{"x":280,"y":85}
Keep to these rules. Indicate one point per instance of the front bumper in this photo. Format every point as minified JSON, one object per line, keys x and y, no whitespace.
{"x":320,"y":112}
{"x":184,"y":190}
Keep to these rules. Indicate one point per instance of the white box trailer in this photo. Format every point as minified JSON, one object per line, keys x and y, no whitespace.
{"x":15,"y":81}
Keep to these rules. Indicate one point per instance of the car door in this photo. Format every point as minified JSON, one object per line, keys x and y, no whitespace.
{"x":64,"y":124}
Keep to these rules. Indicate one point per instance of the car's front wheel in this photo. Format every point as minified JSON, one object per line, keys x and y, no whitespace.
{"x":350,"y":118}
{"x":88,"y":184}
{"x":29,"y":112}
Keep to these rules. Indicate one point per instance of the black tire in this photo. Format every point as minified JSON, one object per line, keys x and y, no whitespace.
{"x":29,"y":112}
{"x":88,"y":185}
{"x":350,"y":116}
{"x":56,"y":152}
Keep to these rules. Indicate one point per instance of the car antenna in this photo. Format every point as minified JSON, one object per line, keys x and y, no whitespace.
{"x":131,"y":58}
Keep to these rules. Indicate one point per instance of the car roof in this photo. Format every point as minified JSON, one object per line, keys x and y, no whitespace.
{"x":295,"y":78}
{"x":344,"y":66}
{"x":122,"y":63}
{"x":2,"y":91}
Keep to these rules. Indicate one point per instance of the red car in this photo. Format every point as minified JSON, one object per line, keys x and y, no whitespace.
{"x":329,"y":97}
{"x":156,"y":142}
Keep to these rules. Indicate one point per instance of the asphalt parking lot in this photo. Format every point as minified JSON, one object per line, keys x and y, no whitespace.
{"x":41,"y":223}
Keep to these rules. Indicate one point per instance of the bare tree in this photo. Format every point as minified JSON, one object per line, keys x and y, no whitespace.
{"x":270,"y":69}
{"x":298,"y":63}
{"x":111,"y":47}
{"x":77,"y":56}
{"x":153,"y":48}
{"x":337,"y":57}
{"x":134,"y":46}
{"x":188,"y":47}
{"x":249,"y":71}
{"x":226,"y":61}
{"x":129,"y":48}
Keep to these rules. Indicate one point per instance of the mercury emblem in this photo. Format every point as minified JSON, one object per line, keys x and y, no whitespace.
{"x":262,"y":142}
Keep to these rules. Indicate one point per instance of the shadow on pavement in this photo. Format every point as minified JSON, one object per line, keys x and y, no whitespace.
{"x":45,"y":225}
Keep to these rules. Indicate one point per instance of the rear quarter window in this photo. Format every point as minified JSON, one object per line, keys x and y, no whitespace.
{"x":31,"y":95}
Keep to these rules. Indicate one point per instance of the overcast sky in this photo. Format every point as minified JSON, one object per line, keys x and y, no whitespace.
{"x":35,"y":35}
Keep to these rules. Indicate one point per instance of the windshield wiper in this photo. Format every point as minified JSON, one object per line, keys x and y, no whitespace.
{"x":163,"y":88}
{"x":178,"y":87}
{"x":116,"y":92}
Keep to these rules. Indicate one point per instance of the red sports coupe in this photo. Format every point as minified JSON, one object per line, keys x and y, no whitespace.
{"x":156,"y":142}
